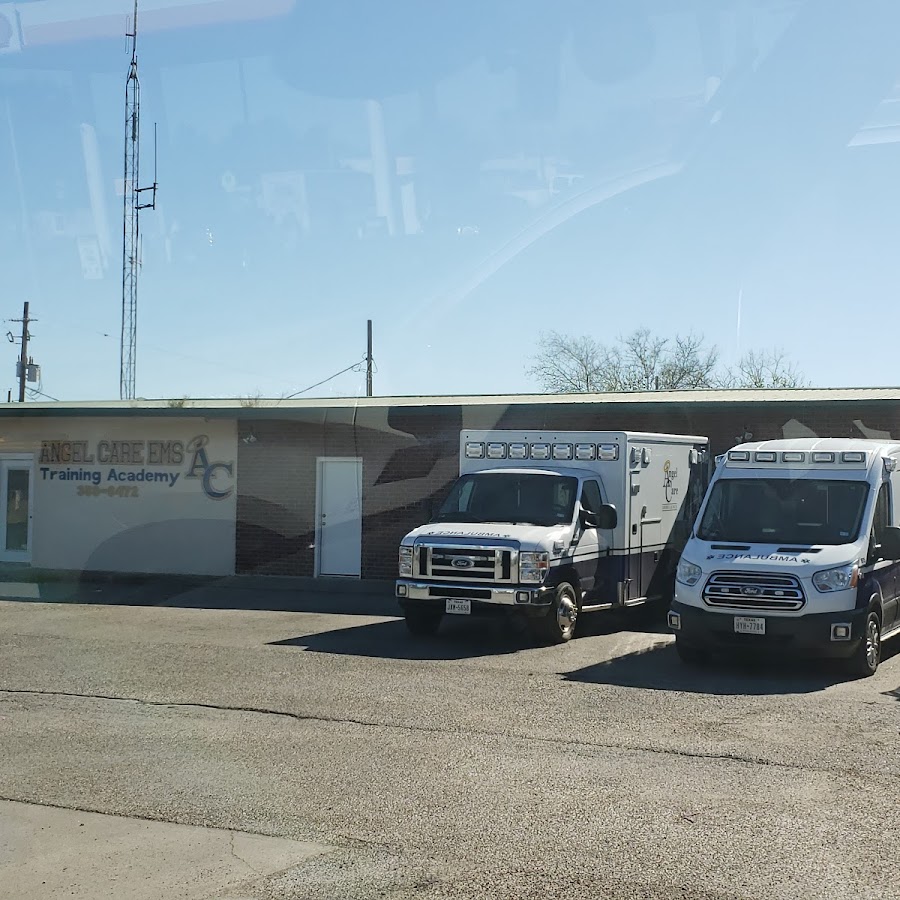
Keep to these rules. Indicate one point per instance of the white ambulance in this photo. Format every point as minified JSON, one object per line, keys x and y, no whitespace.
{"x":554,"y":524}
{"x":795,"y":549}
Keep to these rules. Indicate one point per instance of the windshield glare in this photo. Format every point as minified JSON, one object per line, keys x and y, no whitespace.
{"x":535,"y":499}
{"x":784,"y":511}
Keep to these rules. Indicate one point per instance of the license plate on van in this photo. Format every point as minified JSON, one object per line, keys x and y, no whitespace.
{"x":749,"y":625}
{"x":459,"y":607}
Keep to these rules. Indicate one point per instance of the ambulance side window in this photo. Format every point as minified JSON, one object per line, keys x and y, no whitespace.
{"x":881,"y":519}
{"x":465,"y":497}
{"x":895,"y":488}
{"x":590,"y":496}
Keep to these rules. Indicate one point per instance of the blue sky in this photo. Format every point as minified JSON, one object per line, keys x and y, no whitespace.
{"x":467,"y":177}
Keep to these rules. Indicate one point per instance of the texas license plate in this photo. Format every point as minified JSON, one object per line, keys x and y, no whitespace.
{"x":749,"y":625}
{"x":459,"y":607}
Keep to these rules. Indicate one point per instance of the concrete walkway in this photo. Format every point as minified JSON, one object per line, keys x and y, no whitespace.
{"x":54,"y":853}
{"x":252,"y":592}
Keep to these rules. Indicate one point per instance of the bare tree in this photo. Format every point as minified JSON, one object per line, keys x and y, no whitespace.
{"x":690,"y":364}
{"x":764,"y":369}
{"x":644,"y":357}
{"x":569,"y":365}
{"x":642,"y":361}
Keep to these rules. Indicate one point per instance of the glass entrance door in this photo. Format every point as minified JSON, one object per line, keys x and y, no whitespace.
{"x":16,"y":504}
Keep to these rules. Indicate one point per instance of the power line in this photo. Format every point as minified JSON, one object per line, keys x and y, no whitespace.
{"x":368,"y":361}
{"x":357,"y":366}
{"x":67,"y":326}
{"x":36,"y":393}
{"x":211,"y":362}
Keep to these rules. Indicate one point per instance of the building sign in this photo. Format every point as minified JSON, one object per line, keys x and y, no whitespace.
{"x":117,"y":468}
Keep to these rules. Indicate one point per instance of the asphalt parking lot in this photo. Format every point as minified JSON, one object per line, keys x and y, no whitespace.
{"x":263,"y":753}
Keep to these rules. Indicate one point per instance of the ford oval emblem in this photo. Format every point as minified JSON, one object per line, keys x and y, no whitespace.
{"x":750,"y":591}
{"x":462,"y":563}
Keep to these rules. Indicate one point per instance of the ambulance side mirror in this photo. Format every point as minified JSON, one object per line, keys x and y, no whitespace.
{"x":889,"y":546}
{"x":606,"y":517}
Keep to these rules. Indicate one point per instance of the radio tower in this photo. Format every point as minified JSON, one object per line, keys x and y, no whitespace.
{"x":131,"y":244}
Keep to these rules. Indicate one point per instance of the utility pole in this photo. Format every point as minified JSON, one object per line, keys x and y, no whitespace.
{"x":23,"y":357}
{"x":24,"y":361}
{"x":369,"y":358}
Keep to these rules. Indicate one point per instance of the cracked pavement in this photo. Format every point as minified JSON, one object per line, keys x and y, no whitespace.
{"x":472,"y":764}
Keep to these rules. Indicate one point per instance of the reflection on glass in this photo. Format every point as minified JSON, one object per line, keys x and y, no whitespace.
{"x":805,"y":512}
{"x":17,"y":489}
{"x":534,"y":498}
{"x":438,"y":163}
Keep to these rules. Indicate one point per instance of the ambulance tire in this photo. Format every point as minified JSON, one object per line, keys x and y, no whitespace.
{"x":557,"y":625}
{"x":865,"y":660}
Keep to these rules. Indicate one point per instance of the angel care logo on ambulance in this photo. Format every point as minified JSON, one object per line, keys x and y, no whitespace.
{"x":117,"y":468}
{"x":670,"y":488}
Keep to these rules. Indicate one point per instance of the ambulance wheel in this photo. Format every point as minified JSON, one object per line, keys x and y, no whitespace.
{"x":867,"y":656}
{"x":422,"y":622}
{"x":557,"y":625}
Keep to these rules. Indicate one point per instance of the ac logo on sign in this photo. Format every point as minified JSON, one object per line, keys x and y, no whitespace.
{"x":200,"y":467}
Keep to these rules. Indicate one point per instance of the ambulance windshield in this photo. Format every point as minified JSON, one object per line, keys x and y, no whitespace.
{"x":784,"y":511}
{"x":524,"y":498}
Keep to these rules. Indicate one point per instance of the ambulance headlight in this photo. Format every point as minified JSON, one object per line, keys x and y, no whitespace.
{"x":688,"y":573}
{"x":533,"y":566}
{"x":406,"y":561}
{"x":839,"y":579}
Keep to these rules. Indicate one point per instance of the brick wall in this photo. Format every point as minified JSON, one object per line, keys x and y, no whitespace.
{"x":410,"y":455}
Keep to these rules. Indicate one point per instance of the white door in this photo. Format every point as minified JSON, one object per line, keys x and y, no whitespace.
{"x":339,"y":517}
{"x":16,"y":504}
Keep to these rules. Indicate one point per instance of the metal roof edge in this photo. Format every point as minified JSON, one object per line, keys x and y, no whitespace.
{"x":215,"y":407}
